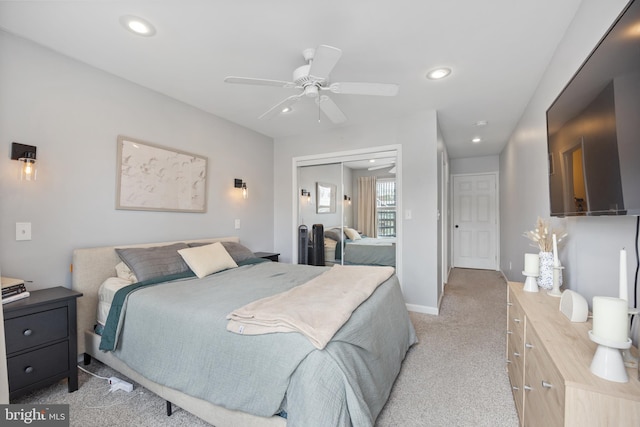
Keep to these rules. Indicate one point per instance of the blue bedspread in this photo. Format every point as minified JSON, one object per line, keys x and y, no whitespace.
{"x":175,"y":334}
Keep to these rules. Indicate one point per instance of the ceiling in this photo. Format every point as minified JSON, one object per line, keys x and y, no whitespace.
{"x":497,"y":50}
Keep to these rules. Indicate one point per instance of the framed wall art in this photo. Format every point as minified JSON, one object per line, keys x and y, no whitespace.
{"x":325,"y":197}
{"x":155,"y":178}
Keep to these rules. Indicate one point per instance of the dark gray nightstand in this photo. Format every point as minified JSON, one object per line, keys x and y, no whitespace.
{"x":268,"y":255}
{"x":41,"y":340}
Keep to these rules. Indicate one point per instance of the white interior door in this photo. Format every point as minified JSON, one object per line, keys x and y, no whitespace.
{"x":475,"y":221}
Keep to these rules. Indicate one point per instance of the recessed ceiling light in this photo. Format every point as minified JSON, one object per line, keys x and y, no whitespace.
{"x":372,"y":160}
{"x":438,"y":73}
{"x":476,"y":140}
{"x":137,"y":25}
{"x":286,"y":110}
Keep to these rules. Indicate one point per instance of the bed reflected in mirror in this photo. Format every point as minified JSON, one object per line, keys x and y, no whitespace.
{"x":363,"y":229}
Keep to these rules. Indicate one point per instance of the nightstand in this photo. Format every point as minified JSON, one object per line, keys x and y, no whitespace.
{"x":268,"y":255}
{"x":41,"y":340}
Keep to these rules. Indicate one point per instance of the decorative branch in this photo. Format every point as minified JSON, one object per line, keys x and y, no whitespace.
{"x":542,"y":236}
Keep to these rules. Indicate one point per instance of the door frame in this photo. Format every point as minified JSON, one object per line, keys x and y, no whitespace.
{"x":497,"y":208}
{"x":343,"y":157}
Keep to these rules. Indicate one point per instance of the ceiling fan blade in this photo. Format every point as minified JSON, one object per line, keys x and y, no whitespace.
{"x":331,"y":110}
{"x":377,"y":89}
{"x":324,"y":59}
{"x":375,"y":168}
{"x":259,"y":82}
{"x":277,"y":109}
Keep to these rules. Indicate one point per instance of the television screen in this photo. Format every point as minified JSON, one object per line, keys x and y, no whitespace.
{"x":593,"y":128}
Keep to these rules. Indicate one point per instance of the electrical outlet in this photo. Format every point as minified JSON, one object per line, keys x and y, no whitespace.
{"x":23,"y":231}
{"x":118,"y":384}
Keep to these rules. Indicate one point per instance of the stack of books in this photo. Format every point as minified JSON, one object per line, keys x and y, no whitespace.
{"x":13,"y":289}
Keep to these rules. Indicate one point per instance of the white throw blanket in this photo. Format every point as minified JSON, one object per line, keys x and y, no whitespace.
{"x":316,"y":309}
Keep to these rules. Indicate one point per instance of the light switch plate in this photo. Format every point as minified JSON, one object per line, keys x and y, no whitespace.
{"x":23,"y":231}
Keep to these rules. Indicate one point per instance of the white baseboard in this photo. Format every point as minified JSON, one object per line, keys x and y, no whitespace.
{"x":422,"y":309}
{"x":504,"y":276}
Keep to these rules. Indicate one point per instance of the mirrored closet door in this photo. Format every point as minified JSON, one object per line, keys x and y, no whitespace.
{"x":348,"y":209}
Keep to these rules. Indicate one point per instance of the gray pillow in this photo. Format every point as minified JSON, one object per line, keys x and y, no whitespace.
{"x":149,"y":263}
{"x":333,"y":234}
{"x":237,"y":251}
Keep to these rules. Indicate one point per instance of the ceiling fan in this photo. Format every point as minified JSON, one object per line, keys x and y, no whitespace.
{"x":390,"y":165}
{"x":312,"y":79}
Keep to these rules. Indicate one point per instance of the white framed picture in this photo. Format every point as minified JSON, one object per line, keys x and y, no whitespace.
{"x":156,"y":178}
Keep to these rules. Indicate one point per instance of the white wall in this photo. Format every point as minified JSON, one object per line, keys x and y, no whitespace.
{"x":482,"y":164}
{"x":73,"y":113}
{"x":417,"y":134}
{"x":592,"y":252}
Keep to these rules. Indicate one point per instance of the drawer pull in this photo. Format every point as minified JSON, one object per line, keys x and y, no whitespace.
{"x":516,"y":354}
{"x":515,"y":388}
{"x":546,"y":384}
{"x":527,"y":388}
{"x":509,"y":361}
{"x":28,"y":369}
{"x":516,"y":320}
{"x":527,"y":345}
{"x":27,"y":332}
{"x":509,"y":332}
{"x":509,"y":304}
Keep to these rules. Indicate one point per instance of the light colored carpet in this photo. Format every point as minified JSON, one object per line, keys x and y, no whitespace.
{"x":455,"y":376}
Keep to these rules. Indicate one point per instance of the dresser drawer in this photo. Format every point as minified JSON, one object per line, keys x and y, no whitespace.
{"x":544,"y":386}
{"x":29,"y":368}
{"x":35,"y":329}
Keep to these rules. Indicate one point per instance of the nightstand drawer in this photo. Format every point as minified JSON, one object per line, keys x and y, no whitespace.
{"x":29,"y":368}
{"x":35,"y":329}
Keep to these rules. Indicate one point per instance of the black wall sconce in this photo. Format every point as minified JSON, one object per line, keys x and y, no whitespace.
{"x":26,"y":155}
{"x":306,"y":193}
{"x":237,"y":183}
{"x":347,"y":199}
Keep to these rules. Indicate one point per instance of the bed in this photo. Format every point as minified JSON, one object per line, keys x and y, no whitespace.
{"x":357,"y":249}
{"x":233,"y":379}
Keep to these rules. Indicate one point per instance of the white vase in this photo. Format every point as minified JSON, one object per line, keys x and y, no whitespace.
{"x":545,"y":279}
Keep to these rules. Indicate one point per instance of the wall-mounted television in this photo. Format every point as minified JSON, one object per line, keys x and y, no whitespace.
{"x":593,"y":128}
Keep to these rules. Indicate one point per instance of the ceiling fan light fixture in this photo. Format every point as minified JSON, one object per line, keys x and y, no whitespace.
{"x":438,"y":73}
{"x":138,"y":26}
{"x":311,"y":91}
{"x":476,"y":140}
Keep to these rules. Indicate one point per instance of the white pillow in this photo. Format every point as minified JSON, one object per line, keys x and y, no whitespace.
{"x":352,"y":234}
{"x":207,"y":259}
{"x":124,"y":272}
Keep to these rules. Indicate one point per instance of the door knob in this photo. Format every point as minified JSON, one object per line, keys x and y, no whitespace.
{"x":456,"y":225}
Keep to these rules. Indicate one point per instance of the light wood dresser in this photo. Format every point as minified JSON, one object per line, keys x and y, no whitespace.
{"x":548,"y":362}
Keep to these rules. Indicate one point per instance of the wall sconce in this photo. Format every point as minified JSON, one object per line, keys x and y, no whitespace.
{"x":347,"y":199}
{"x":26,"y":155}
{"x":306,"y":193}
{"x":237,"y":183}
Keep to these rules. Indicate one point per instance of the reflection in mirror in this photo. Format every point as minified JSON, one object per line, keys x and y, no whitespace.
{"x":325,"y":197}
{"x":363,"y":228}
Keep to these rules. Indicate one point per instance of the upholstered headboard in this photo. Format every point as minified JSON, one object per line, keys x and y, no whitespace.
{"x":92,"y":266}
